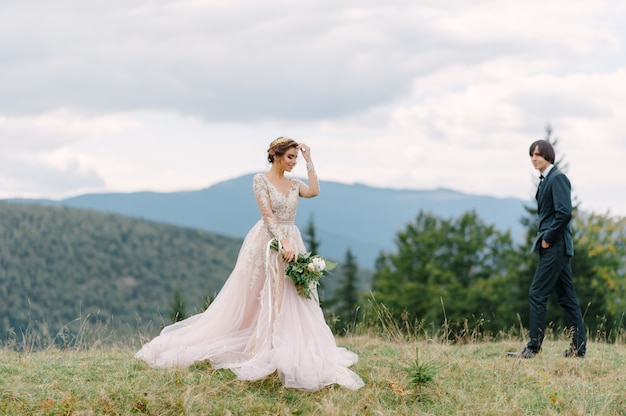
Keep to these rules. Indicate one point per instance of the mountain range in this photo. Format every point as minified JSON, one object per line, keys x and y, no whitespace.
{"x":358,"y":217}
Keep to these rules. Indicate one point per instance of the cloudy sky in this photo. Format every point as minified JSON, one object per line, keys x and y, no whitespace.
{"x":166,"y":95}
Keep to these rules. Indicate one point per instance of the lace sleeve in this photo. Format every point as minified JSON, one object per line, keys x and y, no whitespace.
{"x":262,"y":196}
{"x":302,"y":187}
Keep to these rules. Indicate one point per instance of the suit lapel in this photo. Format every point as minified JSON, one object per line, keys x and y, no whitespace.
{"x":542,"y":185}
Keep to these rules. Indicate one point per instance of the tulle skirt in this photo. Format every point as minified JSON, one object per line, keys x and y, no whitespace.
{"x":258,"y":325}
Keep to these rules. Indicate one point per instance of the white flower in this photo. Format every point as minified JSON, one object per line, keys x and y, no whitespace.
{"x":318,"y":263}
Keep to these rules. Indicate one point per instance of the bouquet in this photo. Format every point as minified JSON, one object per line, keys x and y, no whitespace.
{"x":306,"y":271}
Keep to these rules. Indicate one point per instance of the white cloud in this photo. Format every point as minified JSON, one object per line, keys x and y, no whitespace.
{"x":167,"y":95}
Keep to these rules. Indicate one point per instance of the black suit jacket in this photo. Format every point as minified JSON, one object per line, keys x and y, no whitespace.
{"x":554,"y":210}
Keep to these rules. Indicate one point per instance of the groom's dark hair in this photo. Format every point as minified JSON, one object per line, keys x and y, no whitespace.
{"x":544,"y":148}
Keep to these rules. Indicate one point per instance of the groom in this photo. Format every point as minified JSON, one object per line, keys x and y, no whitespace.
{"x":555,"y":247}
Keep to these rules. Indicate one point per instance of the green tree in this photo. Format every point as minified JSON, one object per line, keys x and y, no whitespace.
{"x":599,"y":272}
{"x":449,"y":260}
{"x":310,"y":237}
{"x":346,"y":298}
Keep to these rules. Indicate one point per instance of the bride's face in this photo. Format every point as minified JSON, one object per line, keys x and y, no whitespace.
{"x":289,"y":159}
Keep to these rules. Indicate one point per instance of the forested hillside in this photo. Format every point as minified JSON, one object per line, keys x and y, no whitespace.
{"x":58,"y":264}
{"x":362,"y":218}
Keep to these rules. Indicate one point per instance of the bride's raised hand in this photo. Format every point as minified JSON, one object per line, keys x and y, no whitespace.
{"x":306,"y":151}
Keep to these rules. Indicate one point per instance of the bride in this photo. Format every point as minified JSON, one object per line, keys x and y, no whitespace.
{"x":258,"y":324}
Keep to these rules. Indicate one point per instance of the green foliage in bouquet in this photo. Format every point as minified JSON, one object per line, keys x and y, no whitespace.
{"x":306,"y":271}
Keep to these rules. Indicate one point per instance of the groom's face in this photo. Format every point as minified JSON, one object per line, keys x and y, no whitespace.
{"x":538,"y":161}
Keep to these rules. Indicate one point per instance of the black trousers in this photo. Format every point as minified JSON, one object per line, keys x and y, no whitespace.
{"x":554,"y":274}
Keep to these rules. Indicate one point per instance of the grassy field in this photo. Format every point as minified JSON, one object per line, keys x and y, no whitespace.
{"x":449,"y":379}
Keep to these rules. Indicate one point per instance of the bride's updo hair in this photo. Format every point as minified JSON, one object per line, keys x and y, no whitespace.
{"x":279,"y":147}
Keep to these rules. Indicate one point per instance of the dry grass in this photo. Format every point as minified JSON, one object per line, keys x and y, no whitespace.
{"x":471,"y":379}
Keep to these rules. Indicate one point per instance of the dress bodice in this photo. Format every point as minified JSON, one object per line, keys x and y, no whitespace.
{"x":276,"y":206}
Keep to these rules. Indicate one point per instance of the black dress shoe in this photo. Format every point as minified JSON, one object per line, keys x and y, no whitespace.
{"x":573,"y":353}
{"x":525,"y":353}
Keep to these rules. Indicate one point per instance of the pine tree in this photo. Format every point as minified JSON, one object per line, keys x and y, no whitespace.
{"x":346,"y":297}
{"x":310,"y":238}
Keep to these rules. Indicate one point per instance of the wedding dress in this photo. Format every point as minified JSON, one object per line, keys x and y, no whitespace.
{"x":258,"y":324}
